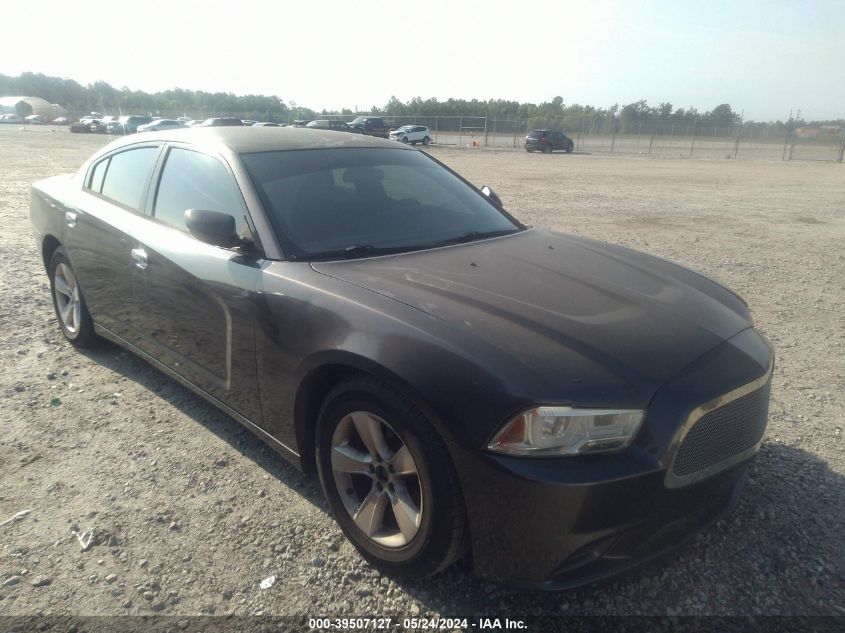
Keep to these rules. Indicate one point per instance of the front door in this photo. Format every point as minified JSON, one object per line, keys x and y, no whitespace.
{"x":194,"y":301}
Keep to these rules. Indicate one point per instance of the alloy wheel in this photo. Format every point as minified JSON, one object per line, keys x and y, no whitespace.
{"x":377,"y":479}
{"x":68,"y":303}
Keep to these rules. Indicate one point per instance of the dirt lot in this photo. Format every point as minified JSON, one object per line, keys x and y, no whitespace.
{"x":190,"y":512}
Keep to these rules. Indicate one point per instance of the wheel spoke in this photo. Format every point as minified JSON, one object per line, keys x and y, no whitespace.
{"x":66,"y":313}
{"x":75,"y":314}
{"x":370,"y":516}
{"x":403,"y":463}
{"x":406,"y":512}
{"x":63,"y":287}
{"x":370,"y":432}
{"x":346,"y":459}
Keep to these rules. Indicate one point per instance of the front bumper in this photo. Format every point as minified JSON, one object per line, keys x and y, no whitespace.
{"x":529,"y":528}
{"x":558,"y":523}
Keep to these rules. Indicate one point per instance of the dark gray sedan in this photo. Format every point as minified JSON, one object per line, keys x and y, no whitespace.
{"x":561,"y":408}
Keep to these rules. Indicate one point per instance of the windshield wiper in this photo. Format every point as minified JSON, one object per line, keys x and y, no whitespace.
{"x":359,"y":250}
{"x":472,"y":236}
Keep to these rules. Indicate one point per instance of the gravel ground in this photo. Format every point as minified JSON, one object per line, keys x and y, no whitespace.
{"x":187,"y":512}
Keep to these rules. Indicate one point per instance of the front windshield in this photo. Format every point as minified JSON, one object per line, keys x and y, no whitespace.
{"x":331,"y":203}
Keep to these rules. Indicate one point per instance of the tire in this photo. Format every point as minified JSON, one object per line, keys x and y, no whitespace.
{"x":530,"y":151}
{"x":569,"y":148}
{"x":76,"y":325}
{"x":426,"y":140}
{"x":405,"y":140}
{"x":357,"y":481}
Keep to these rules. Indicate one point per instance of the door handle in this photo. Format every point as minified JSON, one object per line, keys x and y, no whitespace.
{"x":70,"y":218}
{"x":139,"y":256}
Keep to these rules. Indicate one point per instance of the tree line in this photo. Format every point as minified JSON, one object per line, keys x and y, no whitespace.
{"x":629,"y":118}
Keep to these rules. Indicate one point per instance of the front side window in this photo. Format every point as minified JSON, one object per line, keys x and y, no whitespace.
{"x":127,"y":175}
{"x":364,"y":200}
{"x":191,"y":180}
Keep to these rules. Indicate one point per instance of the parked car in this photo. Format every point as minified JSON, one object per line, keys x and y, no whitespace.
{"x":561,"y":408}
{"x":62,"y":120}
{"x":547,"y":141}
{"x":412,"y":134}
{"x":100,"y":125}
{"x":11,"y":118}
{"x":371,"y":126}
{"x":329,"y":124}
{"x":115,"y":128}
{"x":35,"y":119}
{"x":83,"y":126}
{"x":129,"y":123}
{"x":248,"y":121}
{"x":220,"y":122}
{"x":161,"y":124}
{"x":267,"y":124}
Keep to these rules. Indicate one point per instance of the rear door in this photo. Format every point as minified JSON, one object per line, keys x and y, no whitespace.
{"x":98,"y":230}
{"x":195,"y":301}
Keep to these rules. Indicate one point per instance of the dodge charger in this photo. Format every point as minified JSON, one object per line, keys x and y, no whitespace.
{"x":559,"y":409}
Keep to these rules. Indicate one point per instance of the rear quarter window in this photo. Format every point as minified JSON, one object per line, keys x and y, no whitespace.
{"x":95,"y":178}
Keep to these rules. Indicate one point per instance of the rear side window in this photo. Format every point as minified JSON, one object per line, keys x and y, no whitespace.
{"x":191,"y":180}
{"x":127,"y":175}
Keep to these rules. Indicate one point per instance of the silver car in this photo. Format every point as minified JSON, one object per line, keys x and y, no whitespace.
{"x":412,"y":134}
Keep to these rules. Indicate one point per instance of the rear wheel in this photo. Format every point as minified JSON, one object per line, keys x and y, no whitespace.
{"x":389,"y":480}
{"x":426,"y":140}
{"x":74,"y":319}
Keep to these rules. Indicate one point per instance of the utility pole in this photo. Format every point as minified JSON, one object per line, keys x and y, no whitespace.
{"x":842,"y":147}
{"x":786,"y":138}
{"x":738,"y":133}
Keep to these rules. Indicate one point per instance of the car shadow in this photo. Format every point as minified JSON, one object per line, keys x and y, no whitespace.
{"x":213,"y":419}
{"x":789,"y":508}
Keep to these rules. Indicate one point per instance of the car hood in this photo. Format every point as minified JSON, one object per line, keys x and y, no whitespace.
{"x":569,"y":309}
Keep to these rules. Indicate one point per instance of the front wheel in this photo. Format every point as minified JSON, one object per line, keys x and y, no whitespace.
{"x":74,"y":319}
{"x":389,"y":480}
{"x":405,"y":140}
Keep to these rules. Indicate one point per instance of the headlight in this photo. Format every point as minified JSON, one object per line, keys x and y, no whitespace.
{"x":546,"y":431}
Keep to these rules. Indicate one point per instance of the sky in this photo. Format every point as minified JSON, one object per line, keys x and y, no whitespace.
{"x":765,"y":58}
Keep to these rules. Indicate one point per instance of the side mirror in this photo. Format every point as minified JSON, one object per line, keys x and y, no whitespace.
{"x":487,"y":191}
{"x":212,"y":227}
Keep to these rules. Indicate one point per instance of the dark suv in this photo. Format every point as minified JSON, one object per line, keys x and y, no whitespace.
{"x":547,"y":141}
{"x":371,"y":126}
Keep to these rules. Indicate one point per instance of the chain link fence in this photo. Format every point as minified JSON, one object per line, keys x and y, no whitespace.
{"x":595,"y":135}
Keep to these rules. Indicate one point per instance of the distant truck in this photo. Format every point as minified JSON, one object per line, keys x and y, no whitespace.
{"x":371,"y":126}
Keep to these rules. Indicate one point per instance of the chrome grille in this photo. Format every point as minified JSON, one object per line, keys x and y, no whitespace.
{"x":723,"y":433}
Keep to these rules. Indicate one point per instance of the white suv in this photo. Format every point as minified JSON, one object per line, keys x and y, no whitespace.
{"x":412,"y":134}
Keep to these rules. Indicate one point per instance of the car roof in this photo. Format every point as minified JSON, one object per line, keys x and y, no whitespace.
{"x":247,"y":139}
